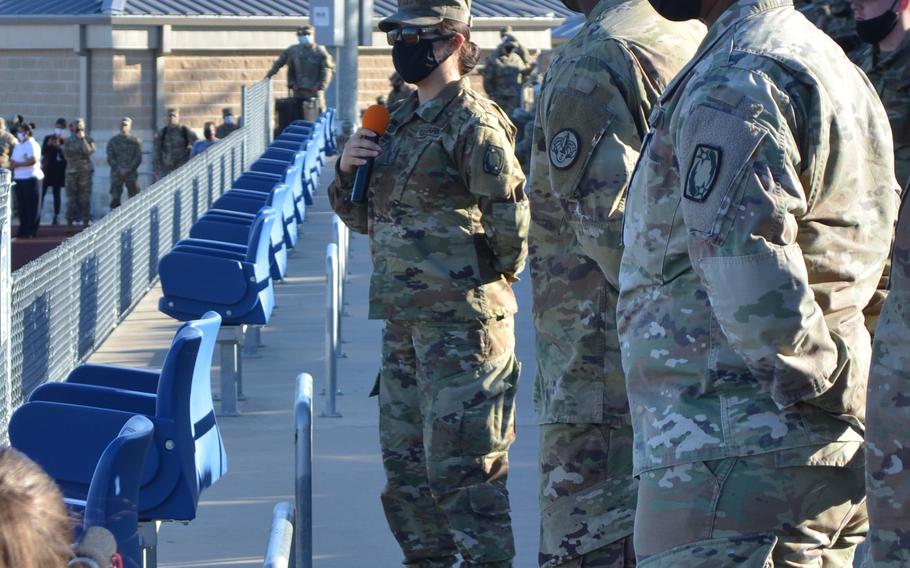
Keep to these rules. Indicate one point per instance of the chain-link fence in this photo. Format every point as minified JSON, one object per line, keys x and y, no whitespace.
{"x":65,"y":303}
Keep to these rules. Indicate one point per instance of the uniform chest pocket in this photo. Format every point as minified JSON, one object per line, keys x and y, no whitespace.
{"x":425,"y":173}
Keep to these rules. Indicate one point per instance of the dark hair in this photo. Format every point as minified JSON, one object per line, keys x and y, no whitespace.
{"x":60,"y":122}
{"x":208,"y":127}
{"x":469,"y":54}
{"x":35,"y":528}
{"x":27,"y":128}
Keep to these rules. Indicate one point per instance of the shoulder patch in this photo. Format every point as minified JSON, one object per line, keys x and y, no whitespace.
{"x":564,"y":149}
{"x":702,"y":173}
{"x":494,"y":160}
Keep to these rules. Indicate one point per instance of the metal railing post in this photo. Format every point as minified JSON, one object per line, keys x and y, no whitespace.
{"x":281,"y":537}
{"x":6,"y":361}
{"x":303,"y":470}
{"x":331,"y":331}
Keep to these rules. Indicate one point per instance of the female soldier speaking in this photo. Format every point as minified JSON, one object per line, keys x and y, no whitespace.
{"x":448,"y":221}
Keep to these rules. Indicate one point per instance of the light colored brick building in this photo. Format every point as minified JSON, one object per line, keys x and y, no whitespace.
{"x":104,"y":59}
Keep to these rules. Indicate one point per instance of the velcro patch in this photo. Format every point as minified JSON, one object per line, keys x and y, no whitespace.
{"x":702,"y":173}
{"x":565,"y":149}
{"x":494,"y":160}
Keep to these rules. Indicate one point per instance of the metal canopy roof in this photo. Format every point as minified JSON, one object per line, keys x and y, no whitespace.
{"x":257,"y":8}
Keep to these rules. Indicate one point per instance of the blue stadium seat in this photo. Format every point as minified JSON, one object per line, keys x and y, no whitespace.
{"x":234,"y":227}
{"x":287,"y":170}
{"x":262,"y":181}
{"x":188,"y":454}
{"x":50,"y":433}
{"x":251,"y":201}
{"x":231,"y":279}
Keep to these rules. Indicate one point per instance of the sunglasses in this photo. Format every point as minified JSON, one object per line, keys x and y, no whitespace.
{"x":410,"y":36}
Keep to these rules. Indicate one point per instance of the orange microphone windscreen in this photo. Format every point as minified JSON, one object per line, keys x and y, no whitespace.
{"x":376,"y":118}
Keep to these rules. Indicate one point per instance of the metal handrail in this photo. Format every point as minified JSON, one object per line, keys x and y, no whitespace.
{"x":281,"y":537}
{"x":331,"y":331}
{"x":303,"y":472}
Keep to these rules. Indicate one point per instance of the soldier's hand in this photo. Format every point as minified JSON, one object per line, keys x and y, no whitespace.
{"x":358,"y":149}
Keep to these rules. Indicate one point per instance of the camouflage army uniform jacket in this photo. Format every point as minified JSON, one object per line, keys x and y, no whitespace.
{"x":889,"y":73}
{"x":309,"y":67}
{"x":124,"y":152}
{"x":596,"y":95}
{"x":445,"y":211}
{"x":172,"y":147}
{"x":757,"y":226}
{"x":504,"y":75}
{"x":888,"y":422}
{"x":78,"y":154}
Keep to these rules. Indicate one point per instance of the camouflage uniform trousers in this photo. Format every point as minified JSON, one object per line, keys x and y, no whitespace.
{"x":118,"y":180}
{"x":446,"y":421}
{"x":78,"y":195}
{"x":587,"y":496}
{"x":751,"y":512}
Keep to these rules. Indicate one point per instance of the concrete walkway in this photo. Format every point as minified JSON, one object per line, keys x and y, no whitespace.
{"x":232,"y":526}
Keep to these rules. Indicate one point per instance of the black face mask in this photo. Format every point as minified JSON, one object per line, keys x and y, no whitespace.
{"x":875,"y":29}
{"x":414,"y":62}
{"x":677,"y":10}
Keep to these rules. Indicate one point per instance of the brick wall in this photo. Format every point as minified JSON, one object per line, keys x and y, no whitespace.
{"x":40,"y":85}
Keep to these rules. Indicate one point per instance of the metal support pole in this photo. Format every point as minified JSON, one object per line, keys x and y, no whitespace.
{"x":278,"y":553}
{"x":303,"y":434}
{"x":348,"y":66}
{"x":331,"y":331}
{"x":148,"y":536}
{"x":228,"y":341}
{"x":252,"y":339}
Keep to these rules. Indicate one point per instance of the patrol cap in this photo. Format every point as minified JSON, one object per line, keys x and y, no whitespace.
{"x":425,"y":13}
{"x":173,"y":111}
{"x":304,"y":30}
{"x":79,"y":121}
{"x":227,"y":111}
{"x":126,"y":121}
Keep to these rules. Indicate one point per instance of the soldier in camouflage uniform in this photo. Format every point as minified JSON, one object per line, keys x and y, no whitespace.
{"x":600,"y":87}
{"x":757,"y":226}
{"x":173,"y":144}
{"x":124,"y":154}
{"x":448,"y":221}
{"x":886,"y":61}
{"x":7,"y":141}
{"x":228,"y":125}
{"x":506,"y":36}
{"x":78,"y":151}
{"x":503,"y":75}
{"x":888,"y":420}
{"x":310,"y":67}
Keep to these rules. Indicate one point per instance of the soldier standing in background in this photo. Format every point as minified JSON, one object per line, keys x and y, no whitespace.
{"x":124,"y":154}
{"x":503,"y":76}
{"x":400,"y":91}
{"x":757,"y":226}
{"x":883,"y":25}
{"x":78,"y":151}
{"x":173,"y":144}
{"x":506,"y":36}
{"x":591,"y":118}
{"x":54,"y":165}
{"x":7,"y":141}
{"x":228,"y":125}
{"x":310,"y":67}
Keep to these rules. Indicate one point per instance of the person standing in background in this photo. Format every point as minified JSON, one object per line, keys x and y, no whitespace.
{"x":173,"y":144}
{"x":54,"y":164}
{"x":503,"y":76}
{"x":228,"y":125}
{"x":400,"y":91}
{"x":310,"y":67}
{"x":78,"y":151}
{"x":209,"y":139}
{"x":124,"y":154}
{"x":7,"y":142}
{"x":26,"y":165}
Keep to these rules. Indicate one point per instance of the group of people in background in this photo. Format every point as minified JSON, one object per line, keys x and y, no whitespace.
{"x":65,"y":161}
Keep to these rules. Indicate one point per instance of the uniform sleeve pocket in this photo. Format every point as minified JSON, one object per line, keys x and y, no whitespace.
{"x":717,"y":149}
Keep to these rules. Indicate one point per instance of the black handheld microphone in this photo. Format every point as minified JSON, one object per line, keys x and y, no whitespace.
{"x":376,"y":118}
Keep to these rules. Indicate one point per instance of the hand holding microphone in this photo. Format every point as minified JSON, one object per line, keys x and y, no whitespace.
{"x":362,"y":148}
